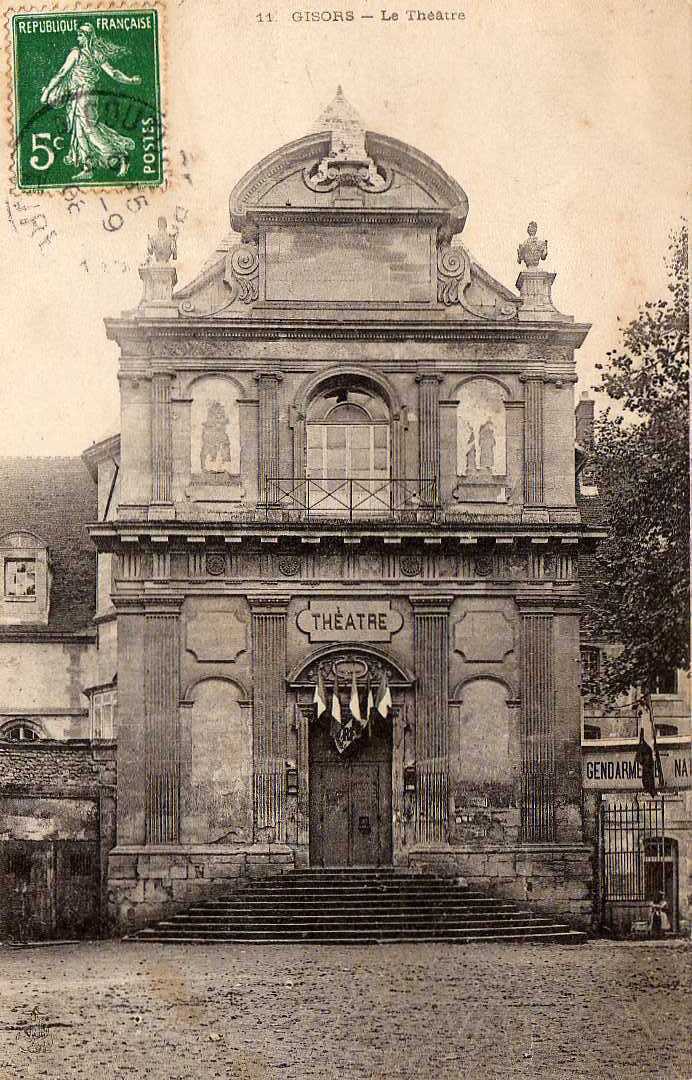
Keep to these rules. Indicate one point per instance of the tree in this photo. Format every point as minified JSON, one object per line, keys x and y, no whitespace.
{"x":638,"y":595}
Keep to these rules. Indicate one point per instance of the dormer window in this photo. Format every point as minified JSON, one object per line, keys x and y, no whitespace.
{"x":20,"y":731}
{"x":24,"y":580}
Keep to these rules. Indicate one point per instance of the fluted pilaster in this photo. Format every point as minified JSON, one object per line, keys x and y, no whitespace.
{"x":431,"y":648}
{"x":161,"y":442}
{"x":429,"y":432}
{"x":269,"y":716}
{"x":268,"y":431}
{"x":161,"y":735}
{"x":533,"y":440}
{"x":538,"y":717}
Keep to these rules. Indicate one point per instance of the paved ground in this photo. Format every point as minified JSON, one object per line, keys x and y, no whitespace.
{"x":380,"y":1013}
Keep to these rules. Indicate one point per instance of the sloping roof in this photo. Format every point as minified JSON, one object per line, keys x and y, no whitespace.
{"x":55,"y":498}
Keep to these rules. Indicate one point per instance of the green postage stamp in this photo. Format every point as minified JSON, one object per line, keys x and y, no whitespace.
{"x":87,"y":98}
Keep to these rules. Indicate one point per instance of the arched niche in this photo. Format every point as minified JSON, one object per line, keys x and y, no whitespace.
{"x":482,"y":440}
{"x":214,"y":431}
{"x":217,"y":781}
{"x":484,"y":747}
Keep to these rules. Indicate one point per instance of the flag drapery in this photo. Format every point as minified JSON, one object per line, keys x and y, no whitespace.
{"x":647,"y":755}
{"x":320,"y":696}
{"x":369,"y":705}
{"x":335,"y":725}
{"x":383,"y":701}
{"x":345,"y":729}
{"x":354,"y":702}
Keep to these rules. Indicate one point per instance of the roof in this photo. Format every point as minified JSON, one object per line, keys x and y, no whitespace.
{"x":56,"y":499}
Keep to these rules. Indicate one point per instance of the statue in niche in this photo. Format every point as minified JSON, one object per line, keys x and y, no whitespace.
{"x":216,"y":447}
{"x":471,"y":466}
{"x":486,"y":445}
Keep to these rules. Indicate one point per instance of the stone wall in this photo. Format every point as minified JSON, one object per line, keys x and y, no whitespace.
{"x":154,"y":883}
{"x":54,"y":794}
{"x":558,"y":879}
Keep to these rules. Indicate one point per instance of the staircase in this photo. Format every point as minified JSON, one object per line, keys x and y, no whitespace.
{"x":358,"y":906}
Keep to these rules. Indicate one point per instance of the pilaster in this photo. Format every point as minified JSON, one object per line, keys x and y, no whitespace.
{"x":429,"y":433}
{"x":431,"y":655}
{"x":161,"y":727}
{"x":161,"y":444}
{"x":268,"y":431}
{"x":269,"y":716}
{"x":533,"y":438}
{"x":538,"y":724}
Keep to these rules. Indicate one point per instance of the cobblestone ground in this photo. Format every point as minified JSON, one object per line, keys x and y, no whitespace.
{"x":112,"y":1011}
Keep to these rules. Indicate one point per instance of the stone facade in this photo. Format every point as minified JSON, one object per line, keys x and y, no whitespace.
{"x":347,"y":454}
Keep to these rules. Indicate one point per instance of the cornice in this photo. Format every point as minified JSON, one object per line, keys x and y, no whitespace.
{"x":207,"y":337}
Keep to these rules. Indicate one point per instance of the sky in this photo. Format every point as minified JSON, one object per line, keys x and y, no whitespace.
{"x":576,"y":115}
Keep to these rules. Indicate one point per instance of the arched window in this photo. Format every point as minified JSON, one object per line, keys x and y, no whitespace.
{"x":20,"y":731}
{"x":348,"y":450}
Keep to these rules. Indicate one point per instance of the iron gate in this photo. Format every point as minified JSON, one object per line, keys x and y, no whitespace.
{"x":634,"y":863}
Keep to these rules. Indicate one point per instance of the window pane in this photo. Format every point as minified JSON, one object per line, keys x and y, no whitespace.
{"x":336,"y":436}
{"x":20,"y":577}
{"x":360,"y":436}
{"x":666,"y":682}
{"x":381,"y":462}
{"x":381,"y":436}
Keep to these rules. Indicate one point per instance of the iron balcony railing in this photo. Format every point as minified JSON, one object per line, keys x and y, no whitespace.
{"x":296,"y":498}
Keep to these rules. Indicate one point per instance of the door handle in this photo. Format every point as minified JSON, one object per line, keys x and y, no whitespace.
{"x":364,"y":825}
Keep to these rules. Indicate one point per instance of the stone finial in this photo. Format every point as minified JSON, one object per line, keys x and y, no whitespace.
{"x":532,"y":251}
{"x":347,"y":128}
{"x":347,"y":164}
{"x":163,"y":245}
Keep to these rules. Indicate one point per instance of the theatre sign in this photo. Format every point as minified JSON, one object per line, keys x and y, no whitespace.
{"x":606,"y":769}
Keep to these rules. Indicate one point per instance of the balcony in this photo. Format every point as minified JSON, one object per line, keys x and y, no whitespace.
{"x":297,"y":499}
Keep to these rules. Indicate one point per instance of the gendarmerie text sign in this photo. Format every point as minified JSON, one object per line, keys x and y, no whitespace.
{"x":617,"y":769}
{"x":349,"y":620}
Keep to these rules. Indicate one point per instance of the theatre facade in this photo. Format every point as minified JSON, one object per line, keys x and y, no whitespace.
{"x":343,"y":565}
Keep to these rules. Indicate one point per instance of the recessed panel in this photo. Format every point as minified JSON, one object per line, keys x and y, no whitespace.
{"x":349,"y":264}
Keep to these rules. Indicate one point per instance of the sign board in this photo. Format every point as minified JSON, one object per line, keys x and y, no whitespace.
{"x":349,"y":620}
{"x":617,"y":770}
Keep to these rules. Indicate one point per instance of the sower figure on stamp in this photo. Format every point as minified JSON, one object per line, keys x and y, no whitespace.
{"x":92,"y":144}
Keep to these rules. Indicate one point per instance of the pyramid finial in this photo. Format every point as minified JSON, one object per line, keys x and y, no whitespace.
{"x":347,"y":128}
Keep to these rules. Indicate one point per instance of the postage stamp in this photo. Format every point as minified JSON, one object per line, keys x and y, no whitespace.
{"x":87,"y":99}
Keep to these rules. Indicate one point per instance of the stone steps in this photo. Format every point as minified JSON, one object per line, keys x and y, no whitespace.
{"x":348,"y":906}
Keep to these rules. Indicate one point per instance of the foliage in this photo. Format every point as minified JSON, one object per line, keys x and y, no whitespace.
{"x":639,"y":594}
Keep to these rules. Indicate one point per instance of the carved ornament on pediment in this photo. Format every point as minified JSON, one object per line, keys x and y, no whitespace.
{"x":242,"y":270}
{"x":454,"y":278}
{"x":330,"y":173}
{"x":342,"y":665}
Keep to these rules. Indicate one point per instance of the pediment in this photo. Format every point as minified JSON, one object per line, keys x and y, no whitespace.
{"x":307,"y":178}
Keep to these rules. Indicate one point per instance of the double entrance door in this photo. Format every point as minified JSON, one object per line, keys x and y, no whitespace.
{"x":351,"y":799}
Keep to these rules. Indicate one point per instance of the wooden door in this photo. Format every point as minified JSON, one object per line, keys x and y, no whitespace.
{"x":351,"y":800}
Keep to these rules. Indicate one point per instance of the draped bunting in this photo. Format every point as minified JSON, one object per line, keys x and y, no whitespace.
{"x":346,"y":729}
